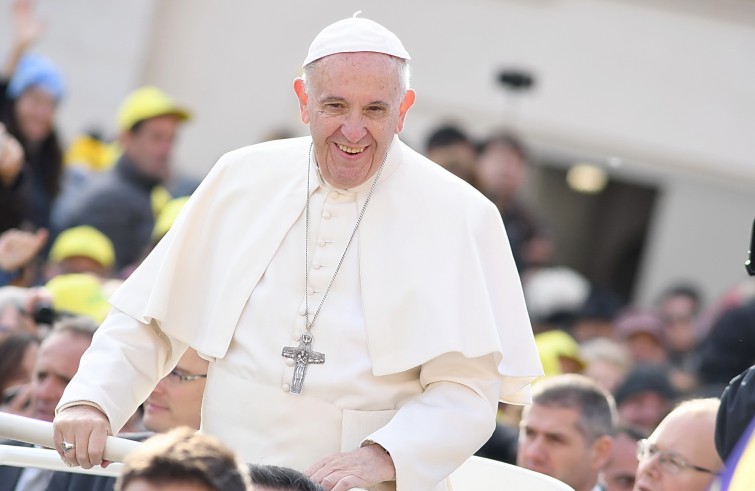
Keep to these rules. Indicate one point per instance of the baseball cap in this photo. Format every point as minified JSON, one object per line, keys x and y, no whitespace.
{"x":353,"y":35}
{"x":167,"y":216}
{"x":553,"y":345}
{"x":637,"y":321}
{"x":145,"y":103}
{"x":646,"y":378}
{"x":85,"y":241}
{"x":35,"y":70}
{"x":79,"y":293}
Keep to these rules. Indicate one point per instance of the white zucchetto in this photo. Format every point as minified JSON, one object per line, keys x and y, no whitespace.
{"x":353,"y":35}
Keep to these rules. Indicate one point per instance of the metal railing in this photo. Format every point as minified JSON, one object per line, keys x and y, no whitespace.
{"x":40,"y":433}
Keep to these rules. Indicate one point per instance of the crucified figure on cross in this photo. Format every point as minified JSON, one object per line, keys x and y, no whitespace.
{"x":303,"y":355}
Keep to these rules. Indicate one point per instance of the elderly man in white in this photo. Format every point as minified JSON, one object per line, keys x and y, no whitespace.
{"x":359,"y":305}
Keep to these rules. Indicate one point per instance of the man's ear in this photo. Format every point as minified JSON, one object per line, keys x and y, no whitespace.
{"x":300,"y":87}
{"x":406,"y":103}
{"x":600,"y":452}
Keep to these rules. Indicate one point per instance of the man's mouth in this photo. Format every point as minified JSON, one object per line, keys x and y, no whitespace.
{"x":350,"y":150}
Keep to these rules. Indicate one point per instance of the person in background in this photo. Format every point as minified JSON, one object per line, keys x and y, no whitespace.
{"x":607,"y":362}
{"x":31,"y":89}
{"x":183,"y":460}
{"x":18,"y":356}
{"x":502,"y":167}
{"x":57,"y":361}
{"x":559,"y":353}
{"x":643,"y":332}
{"x":645,"y":396}
{"x":118,"y":201}
{"x":452,"y":149}
{"x":680,"y":454}
{"x":567,"y":432}
{"x":177,"y":398}
{"x":595,"y":317}
{"x":81,"y":249}
{"x":619,"y":473}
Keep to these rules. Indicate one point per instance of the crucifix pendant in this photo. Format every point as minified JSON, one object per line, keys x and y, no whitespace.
{"x":303,"y":355}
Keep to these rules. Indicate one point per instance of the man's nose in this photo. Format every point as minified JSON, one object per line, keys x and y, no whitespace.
{"x":160,"y":387}
{"x":649,"y":466}
{"x":533,"y":450}
{"x":353,"y":127}
{"x":48,"y":390}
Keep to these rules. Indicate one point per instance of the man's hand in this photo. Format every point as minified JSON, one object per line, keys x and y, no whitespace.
{"x":87,"y":429}
{"x":28,"y":28}
{"x":11,"y":158}
{"x":360,"y":468}
{"x":18,"y":247}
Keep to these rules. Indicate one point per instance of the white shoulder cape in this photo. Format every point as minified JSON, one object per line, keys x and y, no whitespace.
{"x":437,"y":271}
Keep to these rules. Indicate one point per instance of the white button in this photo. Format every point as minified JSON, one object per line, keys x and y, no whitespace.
{"x":310,"y":291}
{"x":286,"y":387}
{"x":316,"y":265}
{"x":297,"y":336}
{"x":334,"y":195}
{"x":326,"y":215}
{"x":302,"y":310}
{"x":290,"y":362}
{"x":321,"y":242}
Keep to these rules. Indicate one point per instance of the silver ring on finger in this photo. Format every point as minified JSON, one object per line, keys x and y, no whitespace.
{"x":66,"y":446}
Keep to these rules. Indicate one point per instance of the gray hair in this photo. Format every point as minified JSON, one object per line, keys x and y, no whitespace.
{"x":404,"y":72}
{"x":79,"y":325}
{"x":595,"y":406}
{"x":282,"y":478}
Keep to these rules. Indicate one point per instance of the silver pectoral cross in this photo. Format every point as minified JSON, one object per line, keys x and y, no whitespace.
{"x":303,"y":355}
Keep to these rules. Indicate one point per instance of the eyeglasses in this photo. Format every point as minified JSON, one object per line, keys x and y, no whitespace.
{"x":669,"y":461}
{"x":177,"y":377}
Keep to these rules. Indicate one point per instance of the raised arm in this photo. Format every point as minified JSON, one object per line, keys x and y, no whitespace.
{"x":27,"y":28}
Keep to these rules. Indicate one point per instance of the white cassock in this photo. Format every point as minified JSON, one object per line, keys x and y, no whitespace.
{"x":423,"y":331}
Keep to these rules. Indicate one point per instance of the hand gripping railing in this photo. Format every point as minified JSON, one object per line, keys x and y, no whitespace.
{"x":40,"y":433}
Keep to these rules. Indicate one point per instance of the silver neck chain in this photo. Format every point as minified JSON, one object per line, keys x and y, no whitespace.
{"x":310,"y":323}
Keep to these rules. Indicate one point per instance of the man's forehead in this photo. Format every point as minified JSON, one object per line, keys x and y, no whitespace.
{"x":556,"y":419}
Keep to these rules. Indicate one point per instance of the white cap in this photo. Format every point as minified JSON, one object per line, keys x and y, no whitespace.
{"x":352,"y":35}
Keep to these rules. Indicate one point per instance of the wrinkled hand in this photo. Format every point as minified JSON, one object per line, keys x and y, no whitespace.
{"x":18,"y":248}
{"x":87,"y":428}
{"x":11,"y":158}
{"x":360,"y":468}
{"x":28,"y":28}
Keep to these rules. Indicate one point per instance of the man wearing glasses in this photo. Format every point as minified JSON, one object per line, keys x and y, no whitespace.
{"x":177,"y":398}
{"x":680,"y":454}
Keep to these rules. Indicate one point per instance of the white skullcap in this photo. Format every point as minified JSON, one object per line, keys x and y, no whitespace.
{"x":352,"y":35}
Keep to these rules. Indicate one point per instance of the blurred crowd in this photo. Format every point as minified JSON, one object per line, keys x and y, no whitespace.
{"x":77,"y":218}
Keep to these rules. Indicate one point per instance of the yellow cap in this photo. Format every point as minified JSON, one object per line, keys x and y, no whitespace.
{"x":555,"y":344}
{"x":145,"y":103}
{"x":79,"y":293}
{"x":91,"y":153}
{"x":83,"y":241}
{"x":167,"y":216}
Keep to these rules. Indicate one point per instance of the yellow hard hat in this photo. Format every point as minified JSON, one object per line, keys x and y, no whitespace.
{"x":145,"y":103}
{"x":83,"y":241}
